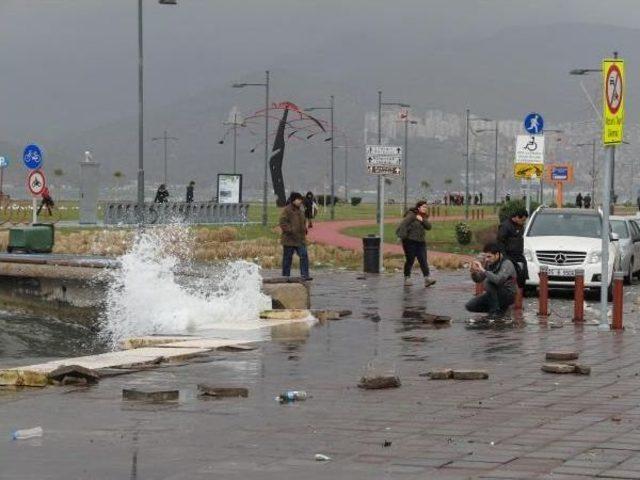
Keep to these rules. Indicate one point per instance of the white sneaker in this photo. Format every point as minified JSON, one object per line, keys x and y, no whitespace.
{"x":407,"y":281}
{"x":428,"y":281}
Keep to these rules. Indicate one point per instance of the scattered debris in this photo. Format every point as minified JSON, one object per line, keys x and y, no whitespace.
{"x":444,"y":374}
{"x":285,"y":314}
{"x":374,"y":317}
{"x":379,"y":382}
{"x":237,"y":348}
{"x":561,"y":355}
{"x":155,"y":396}
{"x":345,"y":313}
{"x":470,"y":375}
{"x":387,"y":443}
{"x":222,"y":392}
{"x":616,"y":418}
{"x":414,"y":338}
{"x":23,"y":378}
{"x":25,"y":434}
{"x":580,"y":369}
{"x":321,"y":457}
{"x":556,"y":325}
{"x":558,"y":368}
{"x":74,"y":375}
{"x":292,"y":396}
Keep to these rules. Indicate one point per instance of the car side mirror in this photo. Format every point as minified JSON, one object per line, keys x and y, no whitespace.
{"x":615,"y":237}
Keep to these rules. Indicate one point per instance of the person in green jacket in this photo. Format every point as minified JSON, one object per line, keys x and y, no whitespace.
{"x":412,"y":234}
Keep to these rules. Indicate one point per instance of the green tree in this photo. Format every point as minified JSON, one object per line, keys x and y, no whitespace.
{"x":58,"y":172}
{"x":448,"y":181}
{"x":425,"y":185}
{"x":119,"y":176}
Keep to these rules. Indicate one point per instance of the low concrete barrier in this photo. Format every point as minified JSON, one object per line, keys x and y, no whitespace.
{"x":73,"y":288}
{"x":126,"y":213}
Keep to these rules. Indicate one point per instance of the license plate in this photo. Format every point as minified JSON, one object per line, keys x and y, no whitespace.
{"x":556,"y":272}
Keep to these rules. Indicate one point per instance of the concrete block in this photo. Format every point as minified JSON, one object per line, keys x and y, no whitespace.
{"x":153,"y":340}
{"x":285,"y":314}
{"x":558,"y":368}
{"x":444,"y":374}
{"x":23,"y":378}
{"x":151,"y":396}
{"x":72,"y":372}
{"x":561,"y":355}
{"x":222,"y":392}
{"x":379,"y":382}
{"x":470,"y":375}
{"x":288,"y":295}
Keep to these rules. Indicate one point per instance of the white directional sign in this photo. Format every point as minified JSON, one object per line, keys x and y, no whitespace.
{"x":384,"y":159}
{"x":530,"y":149}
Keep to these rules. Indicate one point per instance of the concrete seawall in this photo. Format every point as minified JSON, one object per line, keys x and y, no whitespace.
{"x":72,"y":288}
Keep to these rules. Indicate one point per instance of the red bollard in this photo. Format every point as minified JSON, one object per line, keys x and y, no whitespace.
{"x":543,"y":297}
{"x":578,"y":296}
{"x":616,"y":320}
{"x":479,"y":288}
{"x":519,"y":299}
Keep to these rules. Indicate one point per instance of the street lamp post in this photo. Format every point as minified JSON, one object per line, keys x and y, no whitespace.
{"x":234,"y":125}
{"x":406,"y":146}
{"x":164,"y":138}
{"x":331,"y":108}
{"x":265,"y":186}
{"x":468,"y":129}
{"x":495,"y":163}
{"x":141,"y":110}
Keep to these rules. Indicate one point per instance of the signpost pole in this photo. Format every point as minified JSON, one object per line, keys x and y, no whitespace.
{"x":604,"y":277}
{"x":529,"y":195}
{"x":381,"y":228}
{"x":34,"y":206}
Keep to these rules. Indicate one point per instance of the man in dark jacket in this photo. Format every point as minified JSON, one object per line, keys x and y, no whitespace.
{"x":162,"y":194}
{"x":579,"y":200}
{"x":498,"y":277}
{"x":412,"y":233}
{"x":510,"y":236}
{"x":293,"y":238}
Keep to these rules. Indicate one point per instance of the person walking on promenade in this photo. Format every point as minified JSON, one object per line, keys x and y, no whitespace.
{"x":190,"y":188}
{"x":47,"y":201}
{"x":579,"y":200}
{"x":587,"y":200}
{"x":310,"y":208}
{"x":511,"y":238}
{"x":162,"y":194}
{"x":293,"y":238}
{"x":411,"y":232}
{"x":498,"y":276}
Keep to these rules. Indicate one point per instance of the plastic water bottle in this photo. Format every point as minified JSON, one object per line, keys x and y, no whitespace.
{"x":292,"y":396}
{"x":26,"y":433}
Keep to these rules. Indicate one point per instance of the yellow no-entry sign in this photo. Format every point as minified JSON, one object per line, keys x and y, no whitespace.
{"x":613,"y":93}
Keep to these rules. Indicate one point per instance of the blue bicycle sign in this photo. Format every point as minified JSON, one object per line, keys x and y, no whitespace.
{"x":32,"y":157}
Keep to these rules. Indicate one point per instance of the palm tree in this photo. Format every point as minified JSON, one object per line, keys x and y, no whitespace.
{"x":118,"y":175}
{"x":425,"y":185}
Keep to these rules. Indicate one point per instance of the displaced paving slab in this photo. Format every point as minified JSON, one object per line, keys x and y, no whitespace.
{"x":140,"y":356}
{"x":153,"y":340}
{"x":562,"y":355}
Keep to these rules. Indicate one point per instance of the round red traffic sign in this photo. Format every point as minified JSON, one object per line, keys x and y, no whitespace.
{"x":36,"y":182}
{"x":613,"y":89}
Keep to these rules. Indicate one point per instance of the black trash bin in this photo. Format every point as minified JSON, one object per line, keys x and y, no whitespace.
{"x":371,"y":246}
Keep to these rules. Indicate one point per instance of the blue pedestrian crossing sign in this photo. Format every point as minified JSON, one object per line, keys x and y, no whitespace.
{"x":32,"y":157}
{"x":534,"y":124}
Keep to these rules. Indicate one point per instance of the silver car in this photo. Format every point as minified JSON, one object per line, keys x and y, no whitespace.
{"x":628,"y":231}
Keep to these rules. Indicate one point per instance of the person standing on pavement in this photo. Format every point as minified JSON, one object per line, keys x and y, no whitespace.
{"x":190,"y":188}
{"x":587,"y":200}
{"x":498,"y":277}
{"x":511,"y":238}
{"x":294,"y":236}
{"x":579,"y":200}
{"x":162,"y":194}
{"x":411,"y":232}
{"x":310,"y":208}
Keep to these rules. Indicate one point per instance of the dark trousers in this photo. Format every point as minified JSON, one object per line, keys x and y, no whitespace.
{"x":287,"y":259}
{"x":415,"y":250}
{"x":493,"y":300}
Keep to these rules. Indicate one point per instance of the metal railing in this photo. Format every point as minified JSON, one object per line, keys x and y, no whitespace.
{"x":126,"y":213}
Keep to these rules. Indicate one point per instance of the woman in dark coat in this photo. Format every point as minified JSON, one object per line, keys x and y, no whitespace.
{"x":412,"y":233}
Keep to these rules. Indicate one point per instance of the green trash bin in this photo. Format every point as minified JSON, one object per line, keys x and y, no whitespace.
{"x":36,"y":238}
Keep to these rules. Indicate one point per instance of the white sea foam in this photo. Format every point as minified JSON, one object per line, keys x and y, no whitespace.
{"x":147,"y":296}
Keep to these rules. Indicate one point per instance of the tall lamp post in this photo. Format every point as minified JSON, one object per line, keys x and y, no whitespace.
{"x":141,"y":110}
{"x":406,"y":137}
{"x":496,"y":130}
{"x":265,"y":186}
{"x":235,"y":124}
{"x":333,"y":178}
{"x":165,"y":138}
{"x":468,"y":128}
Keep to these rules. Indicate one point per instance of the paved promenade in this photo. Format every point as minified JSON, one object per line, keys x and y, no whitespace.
{"x":521,"y":423}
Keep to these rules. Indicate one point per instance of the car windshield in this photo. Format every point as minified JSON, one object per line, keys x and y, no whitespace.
{"x":620,"y":227}
{"x":565,"y":224}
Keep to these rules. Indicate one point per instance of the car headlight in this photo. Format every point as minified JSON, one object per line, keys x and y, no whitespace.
{"x":595,"y":257}
{"x":528,"y":255}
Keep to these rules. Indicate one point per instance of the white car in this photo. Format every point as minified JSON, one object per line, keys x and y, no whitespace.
{"x":565,"y":239}
{"x":628,"y":244}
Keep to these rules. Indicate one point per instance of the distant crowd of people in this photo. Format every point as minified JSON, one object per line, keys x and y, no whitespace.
{"x":162,"y":194}
{"x":583,"y":202}
{"x":451,"y":198}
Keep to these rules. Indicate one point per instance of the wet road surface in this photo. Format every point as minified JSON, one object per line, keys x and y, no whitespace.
{"x":521,"y":423}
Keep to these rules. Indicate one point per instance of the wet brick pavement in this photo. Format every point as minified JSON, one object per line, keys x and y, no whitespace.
{"x":520,"y":424}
